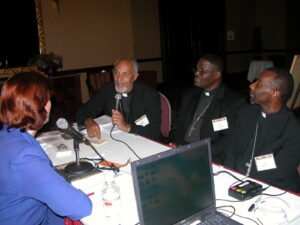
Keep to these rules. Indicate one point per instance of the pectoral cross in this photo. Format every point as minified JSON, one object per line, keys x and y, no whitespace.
{"x":249,"y":165}
{"x":192,"y":129}
{"x":195,"y":120}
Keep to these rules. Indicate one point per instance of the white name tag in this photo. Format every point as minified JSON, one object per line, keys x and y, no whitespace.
{"x":220,"y":124}
{"x":265,"y":162}
{"x":142,"y":121}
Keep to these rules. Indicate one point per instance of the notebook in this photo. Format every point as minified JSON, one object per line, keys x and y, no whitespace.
{"x":177,"y":187}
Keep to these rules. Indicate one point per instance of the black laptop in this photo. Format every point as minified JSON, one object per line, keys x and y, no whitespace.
{"x":177,"y":187}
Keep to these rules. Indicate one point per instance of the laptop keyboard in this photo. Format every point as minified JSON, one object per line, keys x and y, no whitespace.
{"x":217,"y":219}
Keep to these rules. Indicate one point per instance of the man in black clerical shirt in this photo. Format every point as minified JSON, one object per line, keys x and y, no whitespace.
{"x":208,"y":109}
{"x":265,"y":144}
{"x":139,"y":110}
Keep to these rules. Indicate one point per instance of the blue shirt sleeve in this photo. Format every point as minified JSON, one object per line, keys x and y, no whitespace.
{"x":41,"y":182}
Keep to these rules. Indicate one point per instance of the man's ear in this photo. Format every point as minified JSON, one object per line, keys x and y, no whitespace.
{"x":218,"y":74}
{"x":136,"y":76}
{"x":276,"y":94}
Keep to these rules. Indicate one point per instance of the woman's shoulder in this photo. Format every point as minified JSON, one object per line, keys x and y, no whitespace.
{"x":19,"y":144}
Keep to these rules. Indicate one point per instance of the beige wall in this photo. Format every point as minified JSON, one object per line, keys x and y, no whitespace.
{"x":146,"y":34}
{"x":88,"y":33}
{"x":91,"y":33}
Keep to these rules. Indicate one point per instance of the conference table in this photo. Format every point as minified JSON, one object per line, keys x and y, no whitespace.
{"x":281,"y":209}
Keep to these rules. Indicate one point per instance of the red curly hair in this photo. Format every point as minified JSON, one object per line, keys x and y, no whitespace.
{"x":23,"y":99}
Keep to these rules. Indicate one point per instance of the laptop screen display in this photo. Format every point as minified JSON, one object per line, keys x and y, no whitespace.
{"x":174,"y":185}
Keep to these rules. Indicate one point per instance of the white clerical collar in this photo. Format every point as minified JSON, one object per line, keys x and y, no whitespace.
{"x":125,"y":95}
{"x":206,"y":93}
{"x":264,"y":115}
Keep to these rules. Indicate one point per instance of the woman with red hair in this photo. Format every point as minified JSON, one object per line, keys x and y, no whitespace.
{"x":31,"y":192}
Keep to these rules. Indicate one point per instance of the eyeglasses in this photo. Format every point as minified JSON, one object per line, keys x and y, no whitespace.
{"x":202,"y":71}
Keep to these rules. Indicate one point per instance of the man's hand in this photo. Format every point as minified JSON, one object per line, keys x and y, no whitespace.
{"x":92,"y":128}
{"x":172,"y":145}
{"x":117,"y":119}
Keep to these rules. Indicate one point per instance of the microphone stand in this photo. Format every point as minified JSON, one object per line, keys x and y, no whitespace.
{"x":78,"y":168}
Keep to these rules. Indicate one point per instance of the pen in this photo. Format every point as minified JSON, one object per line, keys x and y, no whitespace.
{"x":90,"y":194}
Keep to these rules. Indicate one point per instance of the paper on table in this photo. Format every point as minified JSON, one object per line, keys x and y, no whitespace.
{"x":49,"y":136}
{"x":53,"y":141}
{"x":104,"y":120}
{"x":62,"y":150}
{"x":93,"y":140}
{"x":105,"y":123}
{"x":56,"y":144}
{"x":96,"y":141}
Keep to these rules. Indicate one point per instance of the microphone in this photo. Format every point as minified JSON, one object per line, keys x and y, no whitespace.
{"x":118,"y":97}
{"x":63,"y":124}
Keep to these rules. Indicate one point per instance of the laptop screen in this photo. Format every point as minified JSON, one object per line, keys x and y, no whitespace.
{"x":174,"y":186}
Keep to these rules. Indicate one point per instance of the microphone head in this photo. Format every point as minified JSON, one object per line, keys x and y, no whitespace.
{"x":118,"y":96}
{"x":62,"y":123}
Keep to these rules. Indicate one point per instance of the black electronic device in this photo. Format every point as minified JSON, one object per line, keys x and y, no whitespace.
{"x":78,"y":167}
{"x":70,"y":177}
{"x":118,"y":98}
{"x":245,"y":190}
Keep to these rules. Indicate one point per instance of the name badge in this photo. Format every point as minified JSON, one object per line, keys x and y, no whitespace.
{"x":142,"y":121}
{"x":265,"y":162}
{"x":220,"y":124}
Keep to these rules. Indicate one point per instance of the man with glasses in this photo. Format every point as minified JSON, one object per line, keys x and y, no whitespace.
{"x":208,"y":109}
{"x":139,"y":105}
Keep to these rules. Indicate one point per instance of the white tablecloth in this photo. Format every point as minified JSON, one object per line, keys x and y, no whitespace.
{"x":289,"y":204}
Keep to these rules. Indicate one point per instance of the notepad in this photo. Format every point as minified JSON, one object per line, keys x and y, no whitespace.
{"x":96,"y":141}
{"x":61,"y":150}
{"x":106,"y":124}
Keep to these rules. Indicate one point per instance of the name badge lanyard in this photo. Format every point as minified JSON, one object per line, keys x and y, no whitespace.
{"x":195,"y":120}
{"x":249,"y":164}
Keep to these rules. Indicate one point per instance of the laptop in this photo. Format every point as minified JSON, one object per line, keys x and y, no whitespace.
{"x":177,"y":187}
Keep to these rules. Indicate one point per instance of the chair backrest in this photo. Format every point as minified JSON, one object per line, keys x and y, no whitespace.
{"x":166,"y":112}
{"x":294,"y":101}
